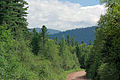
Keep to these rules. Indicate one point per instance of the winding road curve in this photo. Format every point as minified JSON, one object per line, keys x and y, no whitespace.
{"x":80,"y":75}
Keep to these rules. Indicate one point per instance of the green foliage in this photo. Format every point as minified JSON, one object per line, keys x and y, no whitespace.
{"x":68,"y":40}
{"x":108,"y":72}
{"x":106,"y":62}
{"x":44,"y":38}
{"x":73,"y":41}
{"x":82,"y":52}
{"x":68,"y":55}
{"x":12,"y":13}
{"x":35,"y":42}
{"x":51,"y":65}
{"x":10,"y":64}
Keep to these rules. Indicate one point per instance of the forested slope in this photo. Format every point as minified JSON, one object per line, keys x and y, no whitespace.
{"x":80,"y":34}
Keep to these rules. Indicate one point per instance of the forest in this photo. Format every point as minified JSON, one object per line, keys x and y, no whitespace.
{"x":26,"y":55}
{"x":79,"y":34}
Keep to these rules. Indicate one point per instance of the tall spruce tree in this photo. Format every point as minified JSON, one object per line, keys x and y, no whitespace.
{"x":62,"y":45}
{"x":35,"y":43}
{"x":44,"y":38}
{"x":68,"y":40}
{"x":12,"y":15}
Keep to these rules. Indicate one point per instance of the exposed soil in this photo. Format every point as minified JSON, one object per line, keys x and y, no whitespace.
{"x":80,"y":75}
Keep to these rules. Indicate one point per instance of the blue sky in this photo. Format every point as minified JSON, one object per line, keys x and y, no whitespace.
{"x":84,"y":2}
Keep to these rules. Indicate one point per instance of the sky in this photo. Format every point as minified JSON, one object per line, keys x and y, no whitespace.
{"x":64,"y":14}
{"x":84,"y":2}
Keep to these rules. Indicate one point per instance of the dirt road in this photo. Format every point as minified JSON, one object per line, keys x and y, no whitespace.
{"x":80,"y":75}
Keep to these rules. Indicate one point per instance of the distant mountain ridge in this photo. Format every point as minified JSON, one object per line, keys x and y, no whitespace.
{"x":80,"y":34}
{"x":50,"y":31}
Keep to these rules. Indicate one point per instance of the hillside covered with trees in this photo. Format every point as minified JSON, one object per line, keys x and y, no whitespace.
{"x":80,"y":34}
{"x":26,"y":55}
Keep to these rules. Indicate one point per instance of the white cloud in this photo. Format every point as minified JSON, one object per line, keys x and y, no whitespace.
{"x":62,"y":15}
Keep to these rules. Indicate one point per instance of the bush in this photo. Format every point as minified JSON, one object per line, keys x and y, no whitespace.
{"x":108,"y":72}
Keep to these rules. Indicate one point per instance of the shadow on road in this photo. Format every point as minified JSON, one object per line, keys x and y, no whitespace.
{"x":80,"y":78}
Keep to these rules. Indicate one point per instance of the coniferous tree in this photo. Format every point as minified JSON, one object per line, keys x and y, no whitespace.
{"x":12,"y":13}
{"x":105,"y":56}
{"x":44,"y":38}
{"x":73,"y":41}
{"x":56,"y":40}
{"x":68,"y":40}
{"x":62,"y":45}
{"x":35,"y":43}
{"x":78,"y":52}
